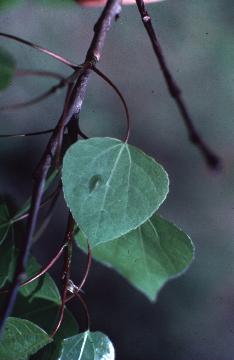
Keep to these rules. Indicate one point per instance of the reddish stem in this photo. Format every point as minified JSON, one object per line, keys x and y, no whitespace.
{"x":88,"y":266}
{"x":45,"y":269}
{"x":66,"y":271}
{"x":42,"y":271}
{"x":104,"y":77}
{"x":77,"y":294}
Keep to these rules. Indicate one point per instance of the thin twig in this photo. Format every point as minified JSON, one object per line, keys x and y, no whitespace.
{"x":34,"y":101}
{"x":40,"y":48}
{"x":75,"y":290}
{"x":79,"y":287}
{"x":66,"y":271}
{"x":82,"y":134}
{"x":211,"y":159}
{"x":76,"y":293}
{"x":87,"y":270}
{"x":27,"y":134}
{"x":46,"y":268}
{"x":104,"y":77}
{"x":73,"y":135}
{"x":63,"y":82}
{"x":61,"y":133}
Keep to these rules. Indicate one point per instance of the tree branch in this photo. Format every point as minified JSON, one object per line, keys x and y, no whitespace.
{"x":211,"y":159}
{"x":72,"y":108}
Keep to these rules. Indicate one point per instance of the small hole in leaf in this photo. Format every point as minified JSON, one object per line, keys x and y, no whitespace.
{"x":94,"y":183}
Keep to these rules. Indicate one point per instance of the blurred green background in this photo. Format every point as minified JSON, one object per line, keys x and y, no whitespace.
{"x":193,"y":317}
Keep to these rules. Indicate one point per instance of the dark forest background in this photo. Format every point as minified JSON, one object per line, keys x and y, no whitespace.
{"x":193,"y":317}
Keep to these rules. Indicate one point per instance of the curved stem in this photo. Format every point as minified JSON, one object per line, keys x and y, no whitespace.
{"x":211,"y":159}
{"x":45,"y":269}
{"x":41,"y":272}
{"x":39,"y":98}
{"x":66,"y":271}
{"x":75,"y":290}
{"x":80,"y":286}
{"x":40,"y":48}
{"x":78,"y":295}
{"x":63,"y":82}
{"x":104,"y":77}
{"x":82,"y":134}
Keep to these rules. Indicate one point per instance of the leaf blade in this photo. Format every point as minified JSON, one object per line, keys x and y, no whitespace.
{"x":21,"y":338}
{"x":113,"y":179}
{"x":87,"y":346}
{"x":148,"y":256}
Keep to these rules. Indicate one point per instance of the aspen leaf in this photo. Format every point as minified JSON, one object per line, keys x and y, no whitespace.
{"x":21,"y":338}
{"x":111,"y":187}
{"x":148,"y":256}
{"x":87,"y":346}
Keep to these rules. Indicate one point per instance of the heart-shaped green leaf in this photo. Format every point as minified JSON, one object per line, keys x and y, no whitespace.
{"x":87,"y":346}
{"x":21,"y":338}
{"x":148,"y":256}
{"x":111,"y":187}
{"x":7,"y":67}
